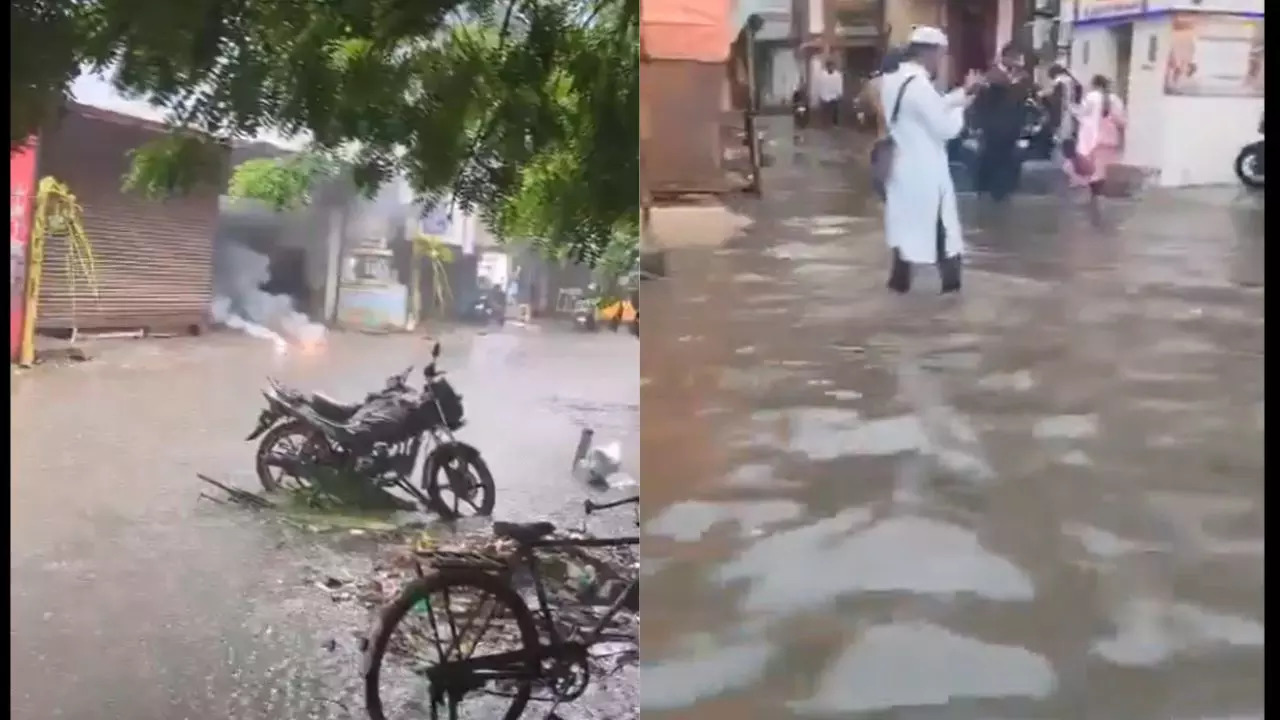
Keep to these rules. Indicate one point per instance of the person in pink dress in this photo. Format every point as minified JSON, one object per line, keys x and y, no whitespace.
{"x":1099,"y":140}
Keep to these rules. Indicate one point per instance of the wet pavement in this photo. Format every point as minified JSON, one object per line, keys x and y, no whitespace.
{"x":1042,"y":498}
{"x":131,"y":600}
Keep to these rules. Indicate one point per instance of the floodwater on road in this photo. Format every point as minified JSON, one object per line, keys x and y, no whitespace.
{"x":1042,"y":498}
{"x":131,"y":600}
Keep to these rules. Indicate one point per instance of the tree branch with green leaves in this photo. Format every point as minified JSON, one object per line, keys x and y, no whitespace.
{"x":524,"y":111}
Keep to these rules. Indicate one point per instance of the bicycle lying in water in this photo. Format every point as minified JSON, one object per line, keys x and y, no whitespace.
{"x":555,"y":661}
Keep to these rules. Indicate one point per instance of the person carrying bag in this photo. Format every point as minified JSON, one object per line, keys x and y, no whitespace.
{"x":884,"y":148}
{"x":911,"y":167}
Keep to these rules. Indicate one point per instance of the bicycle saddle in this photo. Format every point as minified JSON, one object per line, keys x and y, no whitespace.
{"x":524,"y":533}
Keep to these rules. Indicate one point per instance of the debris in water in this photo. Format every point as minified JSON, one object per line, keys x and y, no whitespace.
{"x":238,"y":496}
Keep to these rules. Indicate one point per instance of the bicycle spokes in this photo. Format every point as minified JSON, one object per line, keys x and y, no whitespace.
{"x":447,"y":638}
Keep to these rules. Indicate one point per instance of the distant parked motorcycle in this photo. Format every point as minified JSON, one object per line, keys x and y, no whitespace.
{"x":1249,"y":163}
{"x":378,"y":441}
{"x":489,"y":307}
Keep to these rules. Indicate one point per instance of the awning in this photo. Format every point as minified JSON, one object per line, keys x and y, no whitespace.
{"x":697,"y":30}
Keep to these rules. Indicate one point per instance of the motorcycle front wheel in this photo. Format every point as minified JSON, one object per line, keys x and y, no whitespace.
{"x":1249,"y":166}
{"x":458,"y":482}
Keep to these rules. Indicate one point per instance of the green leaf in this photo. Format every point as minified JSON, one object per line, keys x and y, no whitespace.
{"x":524,"y":111}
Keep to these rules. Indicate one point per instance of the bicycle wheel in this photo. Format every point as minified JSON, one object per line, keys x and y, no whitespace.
{"x":397,"y":686}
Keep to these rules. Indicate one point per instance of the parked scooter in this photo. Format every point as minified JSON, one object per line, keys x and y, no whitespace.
{"x":1249,"y":163}
{"x":489,"y":307}
{"x":377,"y":441}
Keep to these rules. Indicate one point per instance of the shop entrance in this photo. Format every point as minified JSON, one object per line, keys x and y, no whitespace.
{"x":1122,"y":39}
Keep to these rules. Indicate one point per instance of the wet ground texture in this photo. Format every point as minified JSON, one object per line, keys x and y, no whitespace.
{"x":131,"y":600}
{"x":1042,"y":498}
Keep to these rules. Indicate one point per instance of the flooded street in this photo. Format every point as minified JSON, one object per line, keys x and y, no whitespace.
{"x":1042,"y":498}
{"x":132,"y":600}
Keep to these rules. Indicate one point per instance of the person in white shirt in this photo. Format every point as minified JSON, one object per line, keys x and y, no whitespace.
{"x":830,"y":88}
{"x":921,"y":220}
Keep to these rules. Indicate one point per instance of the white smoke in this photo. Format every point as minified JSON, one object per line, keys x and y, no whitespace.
{"x":240,"y":303}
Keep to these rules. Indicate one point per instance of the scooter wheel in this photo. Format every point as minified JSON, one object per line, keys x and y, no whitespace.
{"x":1247,"y":164}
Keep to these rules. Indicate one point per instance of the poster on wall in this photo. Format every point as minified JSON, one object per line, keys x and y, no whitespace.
{"x":1215,"y":56}
{"x":22,"y":181}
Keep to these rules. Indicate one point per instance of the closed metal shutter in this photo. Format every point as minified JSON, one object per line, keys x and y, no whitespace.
{"x":154,"y":258}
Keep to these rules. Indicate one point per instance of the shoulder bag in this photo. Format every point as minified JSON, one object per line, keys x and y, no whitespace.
{"x":884,"y":149}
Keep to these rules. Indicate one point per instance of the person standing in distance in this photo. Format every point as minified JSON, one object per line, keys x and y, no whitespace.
{"x":922,"y":222}
{"x":1000,"y":113}
{"x":830,"y":88}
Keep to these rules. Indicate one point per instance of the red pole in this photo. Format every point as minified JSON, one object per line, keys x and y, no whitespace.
{"x":22,"y":191}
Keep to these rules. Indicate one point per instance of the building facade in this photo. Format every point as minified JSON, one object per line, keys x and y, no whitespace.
{"x":855,"y":33}
{"x":1185,"y":68}
{"x":154,"y":259}
{"x":684,"y":95}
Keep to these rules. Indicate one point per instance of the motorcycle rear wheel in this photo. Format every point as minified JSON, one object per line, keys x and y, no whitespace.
{"x":303,"y":439}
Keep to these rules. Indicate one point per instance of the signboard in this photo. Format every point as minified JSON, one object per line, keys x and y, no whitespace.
{"x":437,"y":220}
{"x":1091,"y":10}
{"x":1215,"y":56}
{"x":22,"y":190}
{"x":1231,"y":7}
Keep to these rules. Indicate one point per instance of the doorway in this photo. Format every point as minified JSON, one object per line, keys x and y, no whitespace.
{"x":1122,"y":37}
{"x":972,"y":31}
{"x":859,"y":62}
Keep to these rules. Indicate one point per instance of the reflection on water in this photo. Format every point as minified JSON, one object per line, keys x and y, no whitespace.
{"x":912,"y":664}
{"x":1040,"y":499}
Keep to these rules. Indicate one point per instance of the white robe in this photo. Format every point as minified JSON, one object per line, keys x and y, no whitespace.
{"x":920,"y":185}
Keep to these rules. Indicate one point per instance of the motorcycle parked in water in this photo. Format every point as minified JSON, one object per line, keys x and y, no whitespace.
{"x":378,"y":440}
{"x":1249,"y":163}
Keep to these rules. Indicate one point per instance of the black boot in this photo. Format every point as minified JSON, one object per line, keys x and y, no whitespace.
{"x":899,"y":274}
{"x":949,"y":271}
{"x":948,"y":265}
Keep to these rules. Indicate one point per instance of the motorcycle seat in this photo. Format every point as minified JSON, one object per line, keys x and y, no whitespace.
{"x":524,"y":533}
{"x":331,"y":409}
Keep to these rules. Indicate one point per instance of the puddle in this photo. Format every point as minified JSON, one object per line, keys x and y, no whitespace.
{"x":920,"y":664}
{"x":789,"y":571}
{"x":689,"y":521}
{"x":709,"y":669}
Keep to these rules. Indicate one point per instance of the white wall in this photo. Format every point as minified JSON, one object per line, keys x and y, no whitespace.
{"x":1186,"y":140}
{"x":784,"y":77}
{"x":1144,"y":139}
{"x":1004,"y":23}
{"x":1202,"y":137}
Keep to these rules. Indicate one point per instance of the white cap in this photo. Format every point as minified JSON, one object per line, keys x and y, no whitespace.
{"x":927,"y":35}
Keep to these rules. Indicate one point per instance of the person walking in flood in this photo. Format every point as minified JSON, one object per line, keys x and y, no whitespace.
{"x":922,"y":222}
{"x":1100,"y":123}
{"x":870,"y":95}
{"x":830,"y":87}
{"x":1000,"y":114}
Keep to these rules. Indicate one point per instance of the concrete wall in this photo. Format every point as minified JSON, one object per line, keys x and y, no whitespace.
{"x":1184,"y":141}
{"x":1004,"y":21}
{"x":900,"y":15}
